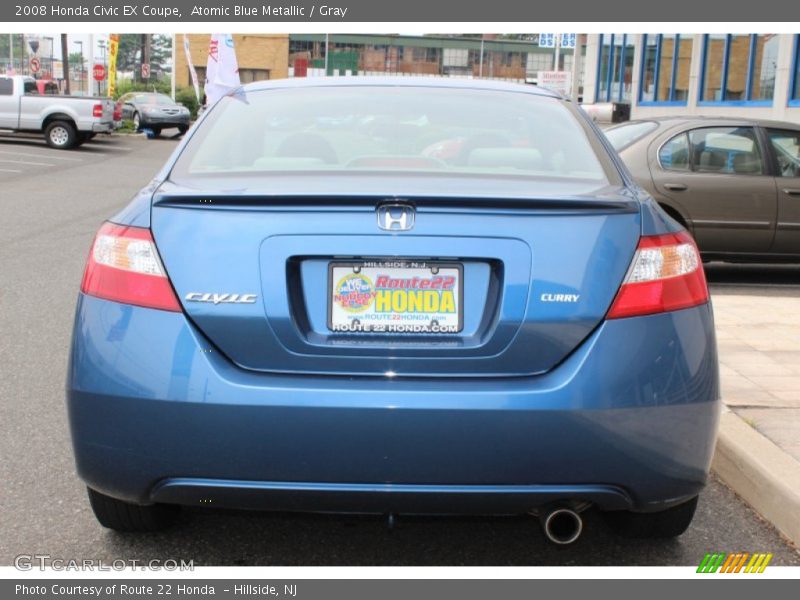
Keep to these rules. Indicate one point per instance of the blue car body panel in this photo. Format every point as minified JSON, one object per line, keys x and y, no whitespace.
{"x":511,"y":258}
{"x":259,"y":406}
{"x":151,"y":404}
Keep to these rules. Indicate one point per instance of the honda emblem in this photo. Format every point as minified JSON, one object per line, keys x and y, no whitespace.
{"x":395,"y":217}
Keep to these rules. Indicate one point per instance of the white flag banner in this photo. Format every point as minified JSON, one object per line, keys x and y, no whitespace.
{"x":192,"y":70}
{"x":222,"y":73}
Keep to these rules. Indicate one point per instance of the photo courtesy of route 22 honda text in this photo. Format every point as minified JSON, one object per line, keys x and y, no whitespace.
{"x":395,"y":296}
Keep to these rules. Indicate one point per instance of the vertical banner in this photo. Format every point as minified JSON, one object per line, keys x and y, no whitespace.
{"x":192,"y":70}
{"x":222,"y":72}
{"x":113,"y":50}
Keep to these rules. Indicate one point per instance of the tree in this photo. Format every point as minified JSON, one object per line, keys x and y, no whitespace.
{"x":19,"y":49}
{"x":161,"y":52}
{"x":77,"y":59}
{"x":129,"y":56}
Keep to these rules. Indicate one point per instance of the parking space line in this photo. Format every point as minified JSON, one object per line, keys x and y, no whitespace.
{"x":27,"y":162}
{"x":10,"y":171}
{"x":42,"y":155}
{"x":106,"y":146}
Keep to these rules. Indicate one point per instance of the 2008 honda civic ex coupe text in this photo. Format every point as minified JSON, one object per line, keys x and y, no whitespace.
{"x":395,"y":296}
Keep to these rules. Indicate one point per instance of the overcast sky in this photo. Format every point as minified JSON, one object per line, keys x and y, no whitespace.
{"x":72,"y":38}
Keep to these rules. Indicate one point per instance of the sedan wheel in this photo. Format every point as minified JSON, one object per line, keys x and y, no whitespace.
{"x":137,"y":123}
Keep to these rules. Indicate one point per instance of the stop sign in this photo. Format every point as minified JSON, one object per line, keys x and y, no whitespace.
{"x":99,"y":72}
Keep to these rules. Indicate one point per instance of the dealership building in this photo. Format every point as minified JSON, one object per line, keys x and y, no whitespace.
{"x":655,"y":74}
{"x":753,"y":76}
{"x":276,"y":56}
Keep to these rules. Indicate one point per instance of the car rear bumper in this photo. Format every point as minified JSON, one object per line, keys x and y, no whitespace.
{"x":103,"y":127}
{"x":627,"y":421}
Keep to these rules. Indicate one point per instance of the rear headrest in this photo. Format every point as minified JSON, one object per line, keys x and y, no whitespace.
{"x":712,"y":160}
{"x":528,"y":159}
{"x":746,"y":163}
{"x":279,"y":163}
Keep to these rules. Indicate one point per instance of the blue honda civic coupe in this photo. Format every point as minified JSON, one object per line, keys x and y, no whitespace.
{"x":395,"y":296}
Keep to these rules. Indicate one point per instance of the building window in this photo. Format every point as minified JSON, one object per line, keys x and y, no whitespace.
{"x":455,"y":57}
{"x":251,"y":75}
{"x":739,"y":69}
{"x":665,"y":69}
{"x":425,"y":55}
{"x":794,"y":92}
{"x":614,"y":68}
{"x":201,"y":75}
{"x":538,"y":61}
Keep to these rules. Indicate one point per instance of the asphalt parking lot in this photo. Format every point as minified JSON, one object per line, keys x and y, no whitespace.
{"x":52,"y":203}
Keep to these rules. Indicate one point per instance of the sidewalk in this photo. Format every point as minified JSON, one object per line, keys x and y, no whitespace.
{"x":758,"y":454}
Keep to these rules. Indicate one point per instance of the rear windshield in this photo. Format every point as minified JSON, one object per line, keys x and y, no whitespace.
{"x":154,"y":99}
{"x":378,"y":128}
{"x":623,"y":136}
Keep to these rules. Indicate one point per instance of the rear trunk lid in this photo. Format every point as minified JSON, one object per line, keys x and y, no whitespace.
{"x":258,"y":274}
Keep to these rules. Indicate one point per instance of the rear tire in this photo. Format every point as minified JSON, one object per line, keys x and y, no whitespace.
{"x":60,"y":135}
{"x":126,"y":516}
{"x":663,"y":524}
{"x":137,"y":121}
{"x":183,"y":129}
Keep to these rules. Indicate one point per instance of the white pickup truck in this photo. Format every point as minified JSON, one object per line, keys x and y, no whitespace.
{"x":66,"y":121}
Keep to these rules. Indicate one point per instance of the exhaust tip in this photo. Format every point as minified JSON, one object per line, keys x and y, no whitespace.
{"x":562,"y":526}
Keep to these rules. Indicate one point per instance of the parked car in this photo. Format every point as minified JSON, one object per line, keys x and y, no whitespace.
{"x":734,"y":183}
{"x":65,"y":121}
{"x":316,"y":305}
{"x":155,"y":112}
{"x":117,"y":114}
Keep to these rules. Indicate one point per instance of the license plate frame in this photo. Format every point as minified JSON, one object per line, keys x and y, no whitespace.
{"x":368,"y":320}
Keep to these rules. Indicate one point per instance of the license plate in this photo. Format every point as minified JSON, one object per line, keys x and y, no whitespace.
{"x":395,"y":296}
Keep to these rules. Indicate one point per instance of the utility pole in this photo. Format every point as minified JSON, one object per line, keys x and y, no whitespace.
{"x":11,"y":52}
{"x":91,"y":66}
{"x":172,"y":83}
{"x":557,"y":52}
{"x":65,"y":62}
{"x":577,"y":59}
{"x":145,"y":52}
{"x":80,"y":43}
{"x":480,"y":67}
{"x":326,"y":53}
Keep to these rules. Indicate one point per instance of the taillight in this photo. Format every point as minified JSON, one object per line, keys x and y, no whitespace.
{"x":666,"y":274}
{"x":97,"y":111}
{"x":124,"y":266}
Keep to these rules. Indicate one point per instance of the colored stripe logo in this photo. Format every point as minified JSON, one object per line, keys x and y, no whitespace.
{"x":739,"y":562}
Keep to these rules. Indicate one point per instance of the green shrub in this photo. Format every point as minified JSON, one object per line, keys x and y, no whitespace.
{"x":187,"y":97}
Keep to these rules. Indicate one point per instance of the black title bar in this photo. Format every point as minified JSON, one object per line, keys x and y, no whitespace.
{"x":439,"y":11}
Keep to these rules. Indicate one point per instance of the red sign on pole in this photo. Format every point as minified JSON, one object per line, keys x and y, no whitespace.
{"x":35,"y":65}
{"x":99,"y":72}
{"x":145,"y":71}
